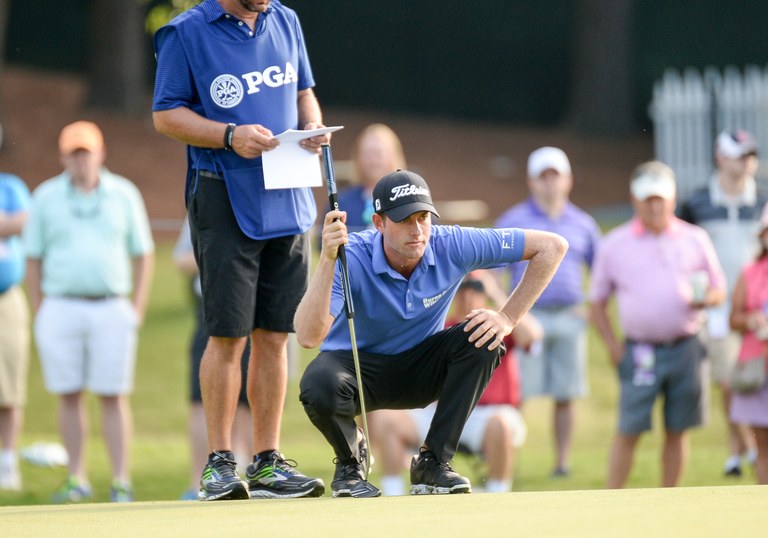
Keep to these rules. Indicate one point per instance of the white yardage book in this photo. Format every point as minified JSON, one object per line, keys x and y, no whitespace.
{"x":289,"y":165}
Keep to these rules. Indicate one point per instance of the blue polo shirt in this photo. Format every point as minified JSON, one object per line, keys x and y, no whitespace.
{"x":392,"y":313}
{"x":583,"y":235}
{"x":14,"y":198}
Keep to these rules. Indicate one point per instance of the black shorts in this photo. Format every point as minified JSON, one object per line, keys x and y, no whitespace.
{"x":247,"y":283}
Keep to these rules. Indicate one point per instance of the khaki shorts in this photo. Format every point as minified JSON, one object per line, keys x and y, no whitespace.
{"x":14,"y":347}
{"x":722,"y":353}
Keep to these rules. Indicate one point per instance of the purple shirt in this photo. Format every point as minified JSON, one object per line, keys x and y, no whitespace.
{"x":583,"y":235}
{"x":651,"y":278}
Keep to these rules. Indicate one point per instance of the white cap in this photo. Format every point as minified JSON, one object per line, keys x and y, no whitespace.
{"x":735,"y":144}
{"x":545,"y":158}
{"x":653,"y":183}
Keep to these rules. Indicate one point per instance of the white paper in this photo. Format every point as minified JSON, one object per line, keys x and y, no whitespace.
{"x":717,"y":322}
{"x":290,"y":166}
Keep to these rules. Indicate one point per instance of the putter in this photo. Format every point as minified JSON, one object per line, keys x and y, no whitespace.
{"x":349,"y":307}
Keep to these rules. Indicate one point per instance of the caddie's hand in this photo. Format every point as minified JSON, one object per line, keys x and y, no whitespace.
{"x":250,"y":141}
{"x":334,"y":233}
{"x":313,"y":144}
{"x":488,"y":327}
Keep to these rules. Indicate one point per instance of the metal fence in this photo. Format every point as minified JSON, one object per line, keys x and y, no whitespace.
{"x":690,"y":108}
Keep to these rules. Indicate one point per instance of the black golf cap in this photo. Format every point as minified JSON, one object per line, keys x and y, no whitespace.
{"x":401,"y":194}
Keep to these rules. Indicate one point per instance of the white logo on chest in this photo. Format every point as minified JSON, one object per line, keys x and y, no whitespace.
{"x":227,"y":91}
{"x":430,"y":301}
{"x":272,"y":77}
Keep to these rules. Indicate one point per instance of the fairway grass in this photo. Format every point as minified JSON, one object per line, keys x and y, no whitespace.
{"x":701,"y":512}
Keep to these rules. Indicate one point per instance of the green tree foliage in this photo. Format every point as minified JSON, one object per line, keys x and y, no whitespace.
{"x":161,"y":14}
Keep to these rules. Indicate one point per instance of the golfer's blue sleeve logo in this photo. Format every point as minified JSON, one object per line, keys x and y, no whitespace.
{"x":226,"y":91}
{"x":507,"y":240}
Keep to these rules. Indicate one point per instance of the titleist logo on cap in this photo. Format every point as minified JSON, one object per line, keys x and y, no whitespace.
{"x":407,"y":190}
{"x":402,"y":193}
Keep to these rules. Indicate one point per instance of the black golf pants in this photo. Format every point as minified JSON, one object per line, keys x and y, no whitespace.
{"x":444,"y":367}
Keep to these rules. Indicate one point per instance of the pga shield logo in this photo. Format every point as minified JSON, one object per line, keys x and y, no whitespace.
{"x":227,"y":90}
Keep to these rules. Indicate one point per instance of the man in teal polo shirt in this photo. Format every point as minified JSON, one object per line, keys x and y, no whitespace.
{"x":404,"y":274}
{"x":89,"y":265}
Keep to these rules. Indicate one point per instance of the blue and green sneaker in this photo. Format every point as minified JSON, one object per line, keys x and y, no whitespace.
{"x":72,"y":491}
{"x":220,"y":480}
{"x":120,"y":492}
{"x":276,"y":478}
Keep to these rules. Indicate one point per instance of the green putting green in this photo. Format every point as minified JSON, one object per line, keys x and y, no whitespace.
{"x":737,"y":511}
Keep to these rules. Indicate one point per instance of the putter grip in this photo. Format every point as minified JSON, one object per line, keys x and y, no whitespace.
{"x":330,"y":180}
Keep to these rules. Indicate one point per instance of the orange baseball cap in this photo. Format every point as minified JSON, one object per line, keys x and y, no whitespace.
{"x":80,"y":135}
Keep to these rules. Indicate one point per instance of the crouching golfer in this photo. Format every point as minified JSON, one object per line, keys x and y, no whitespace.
{"x":404,"y":274}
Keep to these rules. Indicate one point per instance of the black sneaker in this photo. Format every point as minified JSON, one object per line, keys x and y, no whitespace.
{"x":348,"y":481}
{"x":220,"y":480}
{"x":277,"y":478}
{"x":429,"y":476}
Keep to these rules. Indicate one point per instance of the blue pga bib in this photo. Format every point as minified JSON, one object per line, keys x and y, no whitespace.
{"x":246,"y":82}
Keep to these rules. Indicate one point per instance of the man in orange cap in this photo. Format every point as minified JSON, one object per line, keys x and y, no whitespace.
{"x":89,"y":263}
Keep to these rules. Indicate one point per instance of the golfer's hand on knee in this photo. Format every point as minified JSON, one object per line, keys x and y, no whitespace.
{"x":487,"y":327}
{"x":334,"y":233}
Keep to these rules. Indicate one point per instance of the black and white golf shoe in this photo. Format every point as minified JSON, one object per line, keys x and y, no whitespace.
{"x":432,"y":477}
{"x":348,"y":481}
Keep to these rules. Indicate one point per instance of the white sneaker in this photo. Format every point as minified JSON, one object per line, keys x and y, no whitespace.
{"x":10,"y":477}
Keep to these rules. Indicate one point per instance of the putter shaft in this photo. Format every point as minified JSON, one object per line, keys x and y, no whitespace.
{"x":330,"y":179}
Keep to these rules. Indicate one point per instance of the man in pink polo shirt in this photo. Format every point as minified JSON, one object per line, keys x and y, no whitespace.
{"x":664,"y":272}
